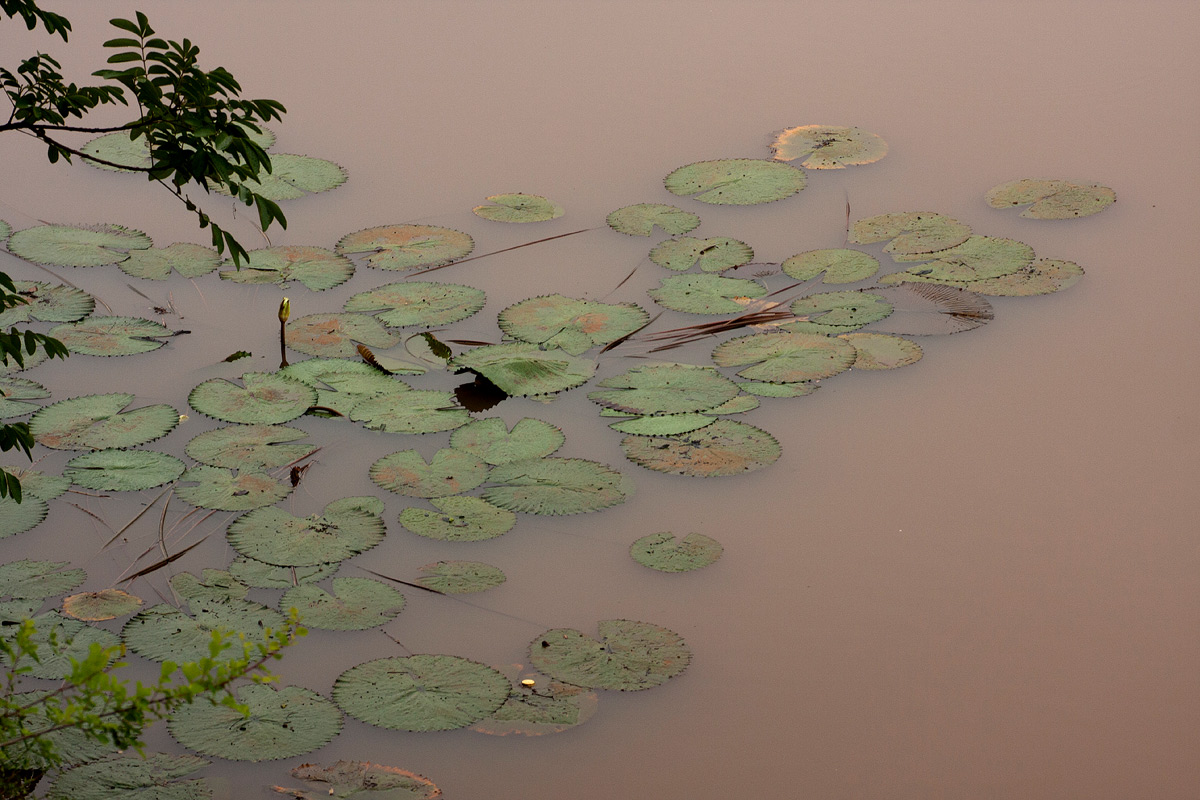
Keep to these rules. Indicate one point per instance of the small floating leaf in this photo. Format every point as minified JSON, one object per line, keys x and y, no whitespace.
{"x":462,"y":519}
{"x":156,"y":264}
{"x":630,"y":656}
{"x":837,"y":312}
{"x":785,"y":357}
{"x":1051,"y":198}
{"x":705,"y":294}
{"x":164,"y":633}
{"x":112,"y":336}
{"x":336,"y":335}
{"x":419,"y":303}
{"x":66,"y":246}
{"x":122,"y":470}
{"x":519,"y":208}
{"x":47,"y":302}
{"x":723,"y":448}
{"x":408,"y":246}
{"x":221,"y":490}
{"x":417,"y":411}
{"x":556,"y":486}
{"x":881,"y":351}
{"x":571,"y":324}
{"x":356,"y":604}
{"x":238,"y":356}
{"x":13,"y":393}
{"x":911,"y":231}
{"x":293,"y":176}
{"x":521,"y":369}
{"x":828,"y":146}
{"x":460,"y":577}
{"x":315,"y":267}
{"x":263,"y":399}
{"x":364,"y":780}
{"x":38,"y":579}
{"x":665,"y":389}
{"x":839,"y":265}
{"x":491,"y":440}
{"x":249,"y":447}
{"x":713,"y":255}
{"x":149,"y":776}
{"x":736,"y":181}
{"x":101,"y":605}
{"x":273,"y":536}
{"x":640,"y":219}
{"x":666,"y":553}
{"x":449,"y":472}
{"x":96,"y":422}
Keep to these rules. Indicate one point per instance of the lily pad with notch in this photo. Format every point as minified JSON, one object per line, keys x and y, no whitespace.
{"x":460,"y":577}
{"x":292,"y":177}
{"x":342,"y":384}
{"x":112,"y":336}
{"x":157,"y":263}
{"x":978,"y":258}
{"x":337,"y":335}
{"x":556,"y":486}
{"x":13,"y":394}
{"x":491,"y":440}
{"x":123,"y":470}
{"x":355,"y":604}
{"x":519,"y":207}
{"x":910,"y":232}
{"x":837,"y":312}
{"x":166,"y":633}
{"x":102,"y":605}
{"x":713,"y":255}
{"x":570,"y":324}
{"x":28,"y":578}
{"x":785,"y":357}
{"x":666,"y":552}
{"x":148,"y":776}
{"x":47,"y":302}
{"x":97,"y":422}
{"x":665,"y":389}
{"x":249,"y":447}
{"x":828,"y":146}
{"x":836,"y":265}
{"x":221,"y":490}
{"x":404,"y":247}
{"x":315,"y":267}
{"x":724,"y":448}
{"x":418,"y":411}
{"x":641,"y":219}
{"x":520,"y":369}
{"x":264,"y":398}
{"x":1051,"y":198}
{"x":883,"y":351}
{"x":449,"y":471}
{"x":629,"y":656}
{"x":547,"y":706}
{"x":458,"y":519}
{"x":1043,"y":276}
{"x":736,"y":181}
{"x":419,"y":303}
{"x":706,"y":293}
{"x":273,"y":536}
{"x":68,"y":246}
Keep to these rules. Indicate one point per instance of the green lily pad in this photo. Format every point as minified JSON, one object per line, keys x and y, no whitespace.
{"x":1044,"y":276}
{"x":449,"y":472}
{"x":629,"y":656}
{"x":47,"y":302}
{"x":706,"y":294}
{"x":978,"y":258}
{"x":72,"y":640}
{"x":837,"y":312}
{"x":293,"y":176}
{"x":355,"y":605}
{"x":119,"y":148}
{"x":838,"y":265}
{"x":460,"y":577}
{"x":96,"y":422}
{"x":418,"y":411}
{"x":785,"y":357}
{"x":221,"y":490}
{"x":662,"y":425}
{"x":640,"y":219}
{"x":122,"y":470}
{"x":882,"y":351}
{"x":19,"y":517}
{"x":491,"y":440}
{"x":268,"y":576}
{"x":828,"y":146}
{"x":421,"y":692}
{"x":165,"y":633}
{"x":1051,"y":198}
{"x":570,"y":324}
{"x":337,"y":335}
{"x":419,"y":303}
{"x":273,"y":536}
{"x":156,"y":264}
{"x":556,"y":486}
{"x":461,"y":519}
{"x":249,"y":447}
{"x":736,"y":181}
{"x":263,"y":399}
{"x":39,"y":484}
{"x":112,"y":336}
{"x":738,"y":405}
{"x":521,"y":369}
{"x":315,"y":267}
{"x":283,"y":722}
{"x":27,"y":578}
{"x":101,"y":605}
{"x":9,"y":365}
{"x":667,"y":553}
{"x":67,"y":246}
{"x":362,"y":779}
{"x":548,"y":706}
{"x":342,"y":384}
{"x":5,"y":229}
{"x":519,"y":207}
{"x":402,"y":247}
{"x":665,"y":389}
{"x":724,"y":448}
{"x":213,"y":584}
{"x":13,"y":394}
{"x":911,"y":232}
{"x":150,"y":776}
{"x":713,"y":255}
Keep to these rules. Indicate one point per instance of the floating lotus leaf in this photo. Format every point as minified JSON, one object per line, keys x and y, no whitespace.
{"x":66,"y":246}
{"x":549,"y":706}
{"x":640,"y":219}
{"x":723,"y":448}
{"x":249,"y":447}
{"x":39,"y":484}
{"x":28,"y":578}
{"x":881,"y":351}
{"x":221,"y":490}
{"x":112,"y":336}
{"x":119,"y":148}
{"x":556,"y":486}
{"x":47,"y":302}
{"x":663,"y":425}
{"x":96,"y":422}
{"x":421,"y":692}
{"x":13,"y":393}
{"x":519,"y":207}
{"x":337,"y":335}
{"x":629,"y":656}
{"x":13,"y":611}
{"x":165,"y":633}
{"x":273,"y":536}
{"x":736,"y":181}
{"x":785,"y":357}
{"x":315,"y":267}
{"x":19,"y":517}
{"x":449,"y":472}
{"x":462,"y":519}
{"x":71,"y":641}
{"x":667,"y":553}
{"x":101,"y":605}
{"x":665,"y":389}
{"x":839,"y":265}
{"x":570,"y":324}
{"x":122,"y":470}
{"x":403,"y":247}
{"x":763,"y":389}
{"x":713,"y":255}
{"x":419,"y":303}
{"x":706,"y":294}
{"x":418,"y":411}
{"x":341,"y":384}
{"x":460,"y":577}
{"x":356,"y":604}
{"x":156,"y":264}
{"x":521,"y":369}
{"x":911,"y":232}
{"x":837,"y":312}
{"x":283,"y":722}
{"x":149,"y":776}
{"x":263,"y":399}
{"x":1051,"y":199}
{"x":293,"y":176}
{"x":268,"y":576}
{"x":977,"y":258}
{"x":213,"y":584}
{"x":362,"y":780}
{"x":9,"y":365}
{"x":1044,"y":276}
{"x":738,"y":405}
{"x":828,"y":146}
{"x":491,"y":440}
{"x":925,"y":309}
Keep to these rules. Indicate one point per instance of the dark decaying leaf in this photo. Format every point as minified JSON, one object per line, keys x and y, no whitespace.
{"x":927,"y":309}
{"x":362,"y":780}
{"x":629,"y":656}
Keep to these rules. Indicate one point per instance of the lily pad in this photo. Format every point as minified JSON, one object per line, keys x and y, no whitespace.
{"x":213,"y":584}
{"x":1044,"y":276}
{"x":706,"y":294}
{"x":1051,"y":198}
{"x":449,"y":472}
{"x":149,"y":776}
{"x":293,"y":176}
{"x":165,"y":633}
{"x":519,"y":207}
{"x":72,"y":744}
{"x":926,"y":309}
{"x":419,"y":303}
{"x":667,"y":553}
{"x":337,"y":335}
{"x":273,"y":536}
{"x":356,"y":604}
{"x":491,"y":440}
{"x":556,"y":486}
{"x":978,"y":258}
{"x":263,"y":399}
{"x":101,"y":605}
{"x":736,"y":181}
{"x":837,"y":265}
{"x":119,"y":148}
{"x":96,"y":422}
{"x":112,"y":336}
{"x":665,"y":389}
{"x":641,"y":219}
{"x":268,"y":576}
{"x":910,"y":232}
{"x":724,"y":448}
{"x":249,"y":447}
{"x":738,"y":405}
{"x":837,"y":312}
{"x":72,"y":640}
{"x":570,"y":324}
{"x":785,"y":357}
{"x":663,"y":425}
{"x":362,"y":780}
{"x":38,"y":579}
{"x":342,"y":384}
{"x":629,"y":656}
{"x":221,"y":490}
{"x":315,"y":267}
{"x":713,"y":255}
{"x":13,"y":394}
{"x":521,"y":369}
{"x":67,"y":246}
{"x":881,"y":351}
{"x":461,"y":519}
{"x":39,"y":484}
{"x":283,"y":722}
{"x":421,"y":692}
{"x":402,"y":247}
{"x":156,"y":264}
{"x":418,"y":411}
{"x":460,"y":577}
{"x":5,"y":229}
{"x":47,"y":302}
{"x":828,"y":146}
{"x":19,"y":517}
{"x":122,"y":470}
{"x":547,"y":706}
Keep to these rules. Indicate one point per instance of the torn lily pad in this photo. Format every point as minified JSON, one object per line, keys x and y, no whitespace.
{"x":418,"y":411}
{"x":402,"y":247}
{"x":13,"y":394}
{"x":361,"y":779}
{"x":263,"y":399}
{"x":837,"y":265}
{"x":828,"y":146}
{"x":642,"y":218}
{"x":101,"y":605}
{"x":570,"y":324}
{"x":450,"y":471}
{"x":910,"y":232}
{"x":491,"y":440}
{"x":273,"y":536}
{"x":518,"y":207}
{"x":47,"y":302}
{"x":165,"y":633}
{"x":1051,"y":198}
{"x":37,"y":579}
{"x":67,"y":246}
{"x":556,"y":486}
{"x":665,"y":389}
{"x":97,"y":422}
{"x":256,"y":448}
{"x":785,"y":357}
{"x":292,"y":177}
{"x":355,"y":604}
{"x":666,"y":552}
{"x":122,"y":470}
{"x":337,"y":335}
{"x":736,"y":181}
{"x":520,"y":369}
{"x":112,"y":336}
{"x":460,"y":577}
{"x":837,"y":312}
{"x":713,"y":255}
{"x":314,"y":267}
{"x":882,"y":351}
{"x":156,"y":264}
{"x":706,"y":293}
{"x":419,"y":303}
{"x":458,"y":519}
{"x":150,"y":776}
{"x":724,"y":448}
{"x":628,"y":657}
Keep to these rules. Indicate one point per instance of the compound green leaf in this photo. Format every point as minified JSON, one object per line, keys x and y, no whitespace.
{"x":723,"y":448}
{"x":39,"y":484}
{"x":315,"y":267}
{"x":910,"y":232}
{"x":293,"y":176}
{"x":112,"y":336}
{"x":491,"y":440}
{"x":67,"y":246}
{"x":785,"y":357}
{"x":450,"y":471}
{"x":337,"y":335}
{"x":165,"y":633}
{"x":556,"y":486}
{"x":72,"y":640}
{"x":837,"y":312}
{"x":713,"y":255}
{"x":629,"y":656}
{"x":47,"y":302}
{"x":268,"y":576}
{"x":520,"y":369}
{"x":362,"y":780}
{"x":828,"y":146}
{"x":1051,"y":198}
{"x":356,"y":604}
{"x":13,"y":393}
{"x":736,"y":181}
{"x":839,"y":265}
{"x":101,"y":605}
{"x":19,"y":517}
{"x":37,"y":579}
{"x":640,"y":219}
{"x":667,"y":553}
{"x":132,"y":776}
{"x":96,"y":422}
{"x":706,"y":294}
{"x":221,"y":490}
{"x":460,"y":577}
{"x":273,"y":536}
{"x":572,"y":325}
{"x":519,"y":207}
{"x":402,"y":247}
{"x":978,"y":258}
{"x":263,"y":399}
{"x":665,"y":389}
{"x":156,"y":264}
{"x":419,"y":303}
{"x":461,"y":519}
{"x":122,"y":470}
{"x":418,"y":411}
{"x":249,"y":447}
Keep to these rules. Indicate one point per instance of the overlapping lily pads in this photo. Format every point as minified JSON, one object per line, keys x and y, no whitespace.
{"x":403,"y":247}
{"x":222,"y":490}
{"x":165,"y":633}
{"x":263,"y":399}
{"x":837,"y":265}
{"x":122,"y":470}
{"x":13,"y":394}
{"x":458,"y":519}
{"x":1044,"y":276}
{"x":1051,"y":198}
{"x":294,"y":176}
{"x":828,"y":146}
{"x":47,"y":302}
{"x":556,"y":486}
{"x":666,"y":552}
{"x":736,"y":181}
{"x":519,"y":207}
{"x":268,"y":576}
{"x":706,"y":293}
{"x":112,"y":336}
{"x":273,"y":536}
{"x":156,"y":264}
{"x":978,"y":258}
{"x":785,"y":357}
{"x":418,"y":411}
{"x":315,"y":267}
{"x":67,"y":246}
{"x":665,"y":389}
{"x":460,"y":577}
{"x":641,"y":219}
{"x":723,"y":448}
{"x":713,"y":255}
{"x":882,"y":351}
{"x":419,"y":303}
{"x":213,"y":584}
{"x":355,"y":604}
{"x":96,"y":422}
{"x":837,"y":312}
{"x":60,"y":640}
{"x":570,"y":324}
{"x":629,"y":655}
{"x":342,"y":384}
{"x":521,"y":369}
{"x":910,"y":232}
{"x":547,"y":706}
{"x":28,"y":578}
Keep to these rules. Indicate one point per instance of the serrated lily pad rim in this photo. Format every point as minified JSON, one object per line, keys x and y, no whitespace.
{"x":142,"y":469}
{"x":102,"y":605}
{"x":469,"y":300}
{"x":123,"y":239}
{"x":22,"y":579}
{"x":718,"y":293}
{"x":456,"y":245}
{"x":220,"y":490}
{"x":20,"y":517}
{"x":118,"y":402}
{"x":118,"y":336}
{"x":510,"y":207}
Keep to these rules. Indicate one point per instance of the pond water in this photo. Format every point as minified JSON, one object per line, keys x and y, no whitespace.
{"x":972,"y":577}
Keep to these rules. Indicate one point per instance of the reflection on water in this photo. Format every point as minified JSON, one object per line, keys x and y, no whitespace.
{"x":971,"y":577}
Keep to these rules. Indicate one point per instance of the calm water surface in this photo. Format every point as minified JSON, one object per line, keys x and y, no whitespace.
{"x":973,"y":577}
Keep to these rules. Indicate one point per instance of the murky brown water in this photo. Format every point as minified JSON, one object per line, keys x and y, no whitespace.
{"x":973,"y":577}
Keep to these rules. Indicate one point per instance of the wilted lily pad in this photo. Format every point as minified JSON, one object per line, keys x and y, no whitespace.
{"x":112,"y":336}
{"x":293,"y":176}
{"x":418,"y":411}
{"x":1051,"y":199}
{"x":546,"y":706}
{"x":315,"y":267}
{"x":828,"y":146}
{"x":249,"y":447}
{"x":667,"y":553}
{"x":263,"y":399}
{"x":556,"y":486}
{"x":337,"y":335}
{"x":713,"y":255}
{"x":268,"y":576}
{"x":491,"y":440}
{"x":460,"y":577}
{"x":355,"y":604}
{"x":47,"y":302}
{"x":101,"y":605}
{"x":785,"y":357}
{"x":362,"y":780}
{"x":706,"y":294}
{"x":273,"y":536}
{"x":450,"y":471}
{"x":736,"y":181}
{"x":419,"y":303}
{"x":407,"y":246}
{"x":150,"y":776}
{"x":37,"y":579}
{"x":881,"y":351}
{"x":519,"y":207}
{"x":723,"y":448}
{"x":221,"y":490}
{"x":925,"y":309}
{"x":629,"y":655}
{"x":19,"y":517}
{"x":165,"y":633}
{"x":13,"y":393}
{"x":837,"y":312}
{"x":96,"y":422}
{"x":421,"y":692}
{"x":283,"y":722}
{"x":462,"y":519}
{"x":839,"y":265}
{"x":640,"y":219}
{"x":665,"y":389}
{"x":521,"y":369}
{"x":156,"y":264}
{"x":122,"y":470}
{"x":66,"y":246}
{"x":911,"y":231}
{"x":570,"y":324}
{"x":213,"y":584}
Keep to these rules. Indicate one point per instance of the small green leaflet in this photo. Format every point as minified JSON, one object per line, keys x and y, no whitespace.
{"x":519,"y":207}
